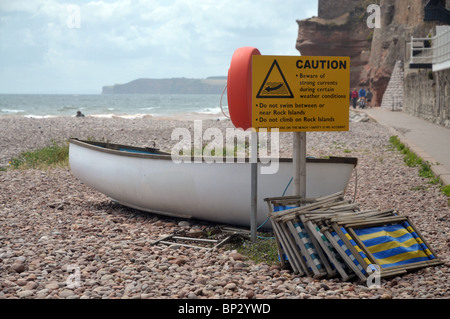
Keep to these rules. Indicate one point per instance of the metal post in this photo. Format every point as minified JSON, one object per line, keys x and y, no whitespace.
{"x":254,"y":186}
{"x":299,"y":163}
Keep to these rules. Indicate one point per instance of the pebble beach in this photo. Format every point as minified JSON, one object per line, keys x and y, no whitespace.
{"x":51,"y":224}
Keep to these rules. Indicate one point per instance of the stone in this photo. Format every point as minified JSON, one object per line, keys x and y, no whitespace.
{"x":183,"y":223}
{"x":25,"y":294}
{"x":21,"y":282}
{"x":41,"y":294}
{"x":43,"y":238}
{"x":52,"y":286}
{"x":393,"y":96}
{"x":178,"y":261}
{"x":192,"y":295}
{"x":324,"y":286}
{"x":18,"y":267}
{"x":236,"y":256}
{"x":201,"y":280}
{"x":65,"y":293}
{"x":230,"y":286}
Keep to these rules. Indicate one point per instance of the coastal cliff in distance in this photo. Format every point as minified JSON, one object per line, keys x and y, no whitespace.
{"x":210,"y":85}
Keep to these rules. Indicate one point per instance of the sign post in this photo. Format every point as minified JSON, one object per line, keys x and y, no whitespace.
{"x":299,"y":163}
{"x":292,"y":94}
{"x":254,"y":186}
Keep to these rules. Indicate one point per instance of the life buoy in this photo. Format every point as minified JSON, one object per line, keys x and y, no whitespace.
{"x":239,"y":87}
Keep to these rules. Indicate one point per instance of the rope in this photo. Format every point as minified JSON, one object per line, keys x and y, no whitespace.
{"x":356,"y":184}
{"x":285,"y":190}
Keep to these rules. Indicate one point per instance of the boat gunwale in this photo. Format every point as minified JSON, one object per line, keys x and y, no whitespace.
{"x":106,"y":147}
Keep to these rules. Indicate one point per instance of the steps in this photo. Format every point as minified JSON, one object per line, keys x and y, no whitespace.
{"x":393,"y":96}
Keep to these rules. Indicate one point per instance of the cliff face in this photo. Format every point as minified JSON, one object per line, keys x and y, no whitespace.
{"x":399,"y":21}
{"x":214,"y":85}
{"x":336,"y":37}
{"x":342,"y":30}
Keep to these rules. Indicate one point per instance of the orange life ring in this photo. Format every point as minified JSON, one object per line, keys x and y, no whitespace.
{"x":239,"y":87}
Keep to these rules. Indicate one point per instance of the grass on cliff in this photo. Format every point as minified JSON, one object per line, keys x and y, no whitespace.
{"x":54,"y":155}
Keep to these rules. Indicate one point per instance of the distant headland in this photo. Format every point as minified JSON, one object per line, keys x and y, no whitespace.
{"x":210,"y":85}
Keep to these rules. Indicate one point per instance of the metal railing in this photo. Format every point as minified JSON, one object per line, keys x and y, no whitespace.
{"x":431,"y":52}
{"x":441,"y":47}
{"x":421,"y":51}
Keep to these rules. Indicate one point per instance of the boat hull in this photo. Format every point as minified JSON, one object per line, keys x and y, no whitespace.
{"x":216,"y":192}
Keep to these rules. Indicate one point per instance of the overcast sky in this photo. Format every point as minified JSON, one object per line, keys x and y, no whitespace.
{"x":50,"y":46}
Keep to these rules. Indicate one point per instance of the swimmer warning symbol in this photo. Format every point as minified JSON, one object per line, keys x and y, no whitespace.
{"x":275,"y":85}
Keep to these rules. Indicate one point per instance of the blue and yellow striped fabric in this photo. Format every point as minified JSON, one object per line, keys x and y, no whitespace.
{"x":348,"y":252}
{"x":311,"y":250}
{"x":394,"y":245}
{"x":357,"y":248}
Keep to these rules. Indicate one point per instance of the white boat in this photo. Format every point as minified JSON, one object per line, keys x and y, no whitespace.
{"x":149,"y":180}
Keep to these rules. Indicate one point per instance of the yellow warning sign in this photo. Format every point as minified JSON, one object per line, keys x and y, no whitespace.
{"x":300,"y":94}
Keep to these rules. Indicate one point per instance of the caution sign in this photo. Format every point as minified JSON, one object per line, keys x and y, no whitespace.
{"x":300,"y":94}
{"x":275,"y":84}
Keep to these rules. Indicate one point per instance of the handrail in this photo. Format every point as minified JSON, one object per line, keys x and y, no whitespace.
{"x":420,"y":53}
{"x":441,"y":46}
{"x":438,"y":51}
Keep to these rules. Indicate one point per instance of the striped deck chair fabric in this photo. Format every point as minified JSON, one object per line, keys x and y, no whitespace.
{"x":331,"y":250}
{"x":350,"y":254}
{"x":302,"y":233}
{"x":358,"y":249}
{"x":279,"y":209}
{"x":394,"y":245}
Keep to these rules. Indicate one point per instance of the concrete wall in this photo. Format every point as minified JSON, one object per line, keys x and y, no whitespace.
{"x":428,"y":98}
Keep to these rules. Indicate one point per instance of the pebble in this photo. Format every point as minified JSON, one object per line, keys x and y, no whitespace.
{"x":108,"y":248}
{"x":18,"y":267}
{"x":25,"y":294}
{"x":324,"y":286}
{"x":52,"y":286}
{"x":236,"y":256}
{"x":230,"y":286}
{"x":65,"y":293}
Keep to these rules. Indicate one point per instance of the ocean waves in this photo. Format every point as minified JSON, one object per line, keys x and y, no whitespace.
{"x":107,"y":106}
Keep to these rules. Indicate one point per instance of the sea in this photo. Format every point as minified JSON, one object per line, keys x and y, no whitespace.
{"x":112,"y":105}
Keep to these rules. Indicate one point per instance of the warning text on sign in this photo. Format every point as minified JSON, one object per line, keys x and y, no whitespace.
{"x":301,"y":94}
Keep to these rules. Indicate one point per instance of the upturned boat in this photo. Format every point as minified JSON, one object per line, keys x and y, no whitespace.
{"x":148,"y":179}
